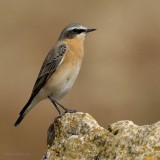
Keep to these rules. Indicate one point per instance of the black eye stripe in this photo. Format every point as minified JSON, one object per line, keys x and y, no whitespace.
{"x":72,"y":33}
{"x":78,"y":31}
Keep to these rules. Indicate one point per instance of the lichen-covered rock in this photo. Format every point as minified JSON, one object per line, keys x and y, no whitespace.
{"x":77,"y":136}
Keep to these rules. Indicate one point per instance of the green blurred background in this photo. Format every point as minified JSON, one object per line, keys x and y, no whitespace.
{"x":120,"y":74}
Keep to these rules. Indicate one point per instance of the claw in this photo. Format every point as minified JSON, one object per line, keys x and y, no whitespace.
{"x":70,"y":111}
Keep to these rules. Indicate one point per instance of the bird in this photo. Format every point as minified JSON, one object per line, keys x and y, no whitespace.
{"x":59,"y":69}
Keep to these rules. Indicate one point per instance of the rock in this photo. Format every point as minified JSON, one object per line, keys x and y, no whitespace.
{"x":77,"y":136}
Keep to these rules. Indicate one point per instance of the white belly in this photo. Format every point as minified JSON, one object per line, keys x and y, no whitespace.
{"x":61,"y":81}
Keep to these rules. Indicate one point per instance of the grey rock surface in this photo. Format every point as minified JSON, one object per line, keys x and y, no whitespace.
{"x":78,"y":136}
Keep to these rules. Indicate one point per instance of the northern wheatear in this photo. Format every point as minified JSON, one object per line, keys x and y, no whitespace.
{"x":60,"y":69}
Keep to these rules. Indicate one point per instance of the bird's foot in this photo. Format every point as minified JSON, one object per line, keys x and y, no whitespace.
{"x":57,"y":105}
{"x":70,"y":111}
{"x":66,"y":111}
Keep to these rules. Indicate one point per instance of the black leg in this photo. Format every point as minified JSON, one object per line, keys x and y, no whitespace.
{"x":65,"y":109}
{"x":55,"y":105}
{"x":61,"y":106}
{"x":57,"y":108}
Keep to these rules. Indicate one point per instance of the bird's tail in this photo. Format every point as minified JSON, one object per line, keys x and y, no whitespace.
{"x":23,"y":112}
{"x":20,"y":118}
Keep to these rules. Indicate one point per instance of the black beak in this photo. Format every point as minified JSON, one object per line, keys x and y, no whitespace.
{"x":90,"y":30}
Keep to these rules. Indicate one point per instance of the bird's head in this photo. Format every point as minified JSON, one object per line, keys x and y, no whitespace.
{"x":75,"y":30}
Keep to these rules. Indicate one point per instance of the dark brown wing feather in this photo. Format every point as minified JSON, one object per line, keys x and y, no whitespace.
{"x":48,"y":68}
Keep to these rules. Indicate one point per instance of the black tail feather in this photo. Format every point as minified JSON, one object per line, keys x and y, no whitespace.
{"x":23,"y":112}
{"x":20,"y":118}
{"x":26,"y":106}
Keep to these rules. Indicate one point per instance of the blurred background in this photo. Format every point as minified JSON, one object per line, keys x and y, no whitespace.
{"x":120,"y":74}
